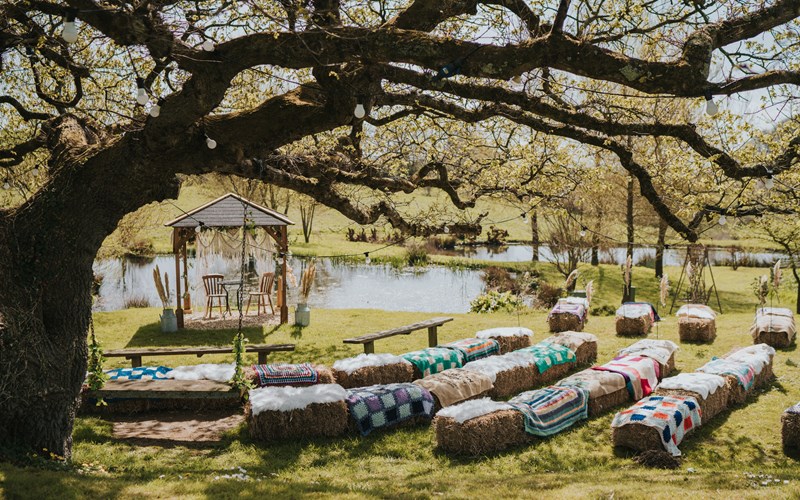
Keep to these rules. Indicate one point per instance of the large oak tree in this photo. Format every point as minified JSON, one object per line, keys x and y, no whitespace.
{"x":277,"y":92}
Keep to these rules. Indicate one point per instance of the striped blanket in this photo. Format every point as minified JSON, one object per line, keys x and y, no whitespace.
{"x":284,"y":373}
{"x":547,"y":355}
{"x":641,"y":374}
{"x":434,"y":359}
{"x":743,"y":372}
{"x":673,"y":416}
{"x":569,"y":308}
{"x":140,"y":373}
{"x":472,"y":349}
{"x":550,"y":410}
{"x":379,"y":406}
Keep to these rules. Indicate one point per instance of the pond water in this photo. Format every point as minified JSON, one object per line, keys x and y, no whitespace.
{"x":337,"y":285}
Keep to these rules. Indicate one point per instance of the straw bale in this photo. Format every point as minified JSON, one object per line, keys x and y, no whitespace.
{"x":633,"y":326}
{"x":315,"y":420}
{"x":482,"y":435}
{"x":668,"y":368}
{"x":524,"y":378}
{"x":761,"y":379}
{"x":438,"y":406}
{"x":736,"y":393}
{"x":586,"y":353}
{"x":603,"y":403}
{"x":512,"y":343}
{"x":709,"y":407}
{"x":790,"y":432}
{"x":638,"y":437}
{"x":326,"y":376}
{"x":778,"y":340}
{"x":375,"y":375}
{"x":563,"y":322}
{"x":697,"y":329}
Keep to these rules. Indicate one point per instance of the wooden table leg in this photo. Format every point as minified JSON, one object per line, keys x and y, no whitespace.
{"x":136,"y":361}
{"x":262,"y":358}
{"x":433,"y":338}
{"x":369,"y":348}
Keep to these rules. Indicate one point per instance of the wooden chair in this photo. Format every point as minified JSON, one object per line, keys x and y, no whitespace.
{"x":264,"y":290}
{"x":215,"y":290}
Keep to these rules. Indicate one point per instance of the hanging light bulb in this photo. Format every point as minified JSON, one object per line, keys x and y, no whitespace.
{"x":711,"y":106}
{"x":156,"y":109}
{"x":516,"y":79}
{"x":141,"y":93}
{"x":35,"y":171}
{"x":446,"y":230}
{"x":211,"y":143}
{"x":208,"y":46}
{"x":359,"y":112}
{"x":198,"y":229}
{"x":524,"y":216}
{"x":6,"y":185}
{"x":723,"y":220}
{"x":70,"y":31}
{"x":583,"y":231}
{"x":769,"y":183}
{"x":367,"y":260}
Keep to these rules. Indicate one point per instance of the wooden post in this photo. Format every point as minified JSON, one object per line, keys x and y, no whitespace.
{"x":282,"y":288}
{"x":262,"y":357}
{"x":433,"y":339}
{"x":176,"y":249}
{"x":369,"y":348}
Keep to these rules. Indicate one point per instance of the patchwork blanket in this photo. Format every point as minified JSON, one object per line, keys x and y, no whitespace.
{"x":379,"y":406}
{"x":546,"y":355}
{"x":140,"y":373}
{"x":637,"y":310}
{"x":597,"y":382}
{"x":758,"y":356}
{"x":456,"y":385}
{"x":743,"y":372}
{"x":472,"y":349}
{"x":578,"y":310}
{"x":435,"y":359}
{"x":673,"y":416}
{"x":660,"y":350}
{"x":550,"y":410}
{"x":701,"y":383}
{"x":573,"y":340}
{"x":284,"y":373}
{"x":640,"y":372}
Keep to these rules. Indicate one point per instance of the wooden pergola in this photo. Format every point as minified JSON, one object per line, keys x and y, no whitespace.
{"x":227,"y":211}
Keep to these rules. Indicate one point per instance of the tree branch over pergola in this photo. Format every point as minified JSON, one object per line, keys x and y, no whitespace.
{"x":594,"y":75}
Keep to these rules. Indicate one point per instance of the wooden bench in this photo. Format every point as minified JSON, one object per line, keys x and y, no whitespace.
{"x":135,"y":355}
{"x":165,"y":389}
{"x":432,"y":324}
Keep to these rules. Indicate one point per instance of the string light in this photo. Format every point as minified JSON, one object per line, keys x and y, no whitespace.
{"x":447,"y":71}
{"x":583,"y":231}
{"x":367,"y":260}
{"x":723,"y":220}
{"x":516,"y":79}
{"x":156,"y":109}
{"x":446,"y":229}
{"x":141,"y":93}
{"x":769,"y":183}
{"x":208,"y":45}
{"x":35,"y":170}
{"x":524,"y":217}
{"x":70,"y":31}
{"x":359,"y":112}
{"x":211,"y":143}
{"x":711,"y":106}
{"x":6,"y":185}
{"x":199,"y":226}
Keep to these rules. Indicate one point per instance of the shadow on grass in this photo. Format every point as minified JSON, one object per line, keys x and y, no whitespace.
{"x":150,"y":335}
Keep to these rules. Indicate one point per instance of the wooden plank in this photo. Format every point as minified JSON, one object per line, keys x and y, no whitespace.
{"x":403,"y":330}
{"x":199,"y":351}
{"x":165,"y":389}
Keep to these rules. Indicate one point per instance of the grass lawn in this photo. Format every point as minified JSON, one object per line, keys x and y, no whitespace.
{"x":403,"y":463}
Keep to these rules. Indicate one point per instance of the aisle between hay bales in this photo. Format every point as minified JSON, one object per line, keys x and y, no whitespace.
{"x":176,"y":428}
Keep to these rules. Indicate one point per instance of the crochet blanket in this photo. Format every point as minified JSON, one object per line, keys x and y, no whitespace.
{"x":637,"y":310}
{"x":578,"y":310}
{"x":284,"y":373}
{"x":660,"y":350}
{"x":546,"y":355}
{"x":472,"y":349}
{"x":758,"y":356}
{"x":550,"y":410}
{"x":435,"y":359}
{"x":456,"y":385}
{"x":572,"y":340}
{"x":597,"y":382}
{"x":640,"y":372}
{"x":379,"y":406}
{"x":673,"y":416}
{"x":743,"y":372}
{"x":140,"y":373}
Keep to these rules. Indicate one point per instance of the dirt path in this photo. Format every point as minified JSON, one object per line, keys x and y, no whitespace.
{"x":177,"y":427}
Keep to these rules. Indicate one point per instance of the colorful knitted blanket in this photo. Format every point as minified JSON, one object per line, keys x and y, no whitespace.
{"x":285,"y":374}
{"x":546,"y":355}
{"x":569,"y":308}
{"x":743,"y":372}
{"x":380,"y":406}
{"x":472,"y":349}
{"x":550,"y":410}
{"x":641,"y":374}
{"x":434,"y":359}
{"x":673,"y":416}
{"x":140,"y":373}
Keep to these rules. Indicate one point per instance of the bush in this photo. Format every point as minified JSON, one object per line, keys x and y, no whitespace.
{"x":140,"y":248}
{"x":496,"y":236}
{"x":499,"y":279}
{"x":548,"y":295}
{"x":493,"y":300}
{"x":442,"y":242}
{"x":416,"y":255}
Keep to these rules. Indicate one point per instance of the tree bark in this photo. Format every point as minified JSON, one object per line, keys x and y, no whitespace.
{"x":662,"y":235}
{"x":534,"y":235}
{"x":629,"y":218}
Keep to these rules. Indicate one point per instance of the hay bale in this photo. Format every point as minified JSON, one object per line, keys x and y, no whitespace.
{"x":666,"y":369}
{"x":583,"y":344}
{"x":324,"y":376}
{"x":586,"y":353}
{"x":710,"y":407}
{"x":637,"y":437}
{"x":564,"y":321}
{"x":482,"y":435}
{"x":375,"y":375}
{"x":737,"y":395}
{"x":601,"y":404}
{"x":790,"y":430}
{"x":765,"y":376}
{"x":696,"y":329}
{"x":455,"y":386}
{"x":778,"y":340}
{"x":279,"y":413}
{"x":510,"y":338}
{"x":524,"y":378}
{"x":633,"y":326}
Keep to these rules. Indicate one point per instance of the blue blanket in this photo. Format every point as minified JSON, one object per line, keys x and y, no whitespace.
{"x":141,"y":373}
{"x":550,"y":410}
{"x":380,"y":406}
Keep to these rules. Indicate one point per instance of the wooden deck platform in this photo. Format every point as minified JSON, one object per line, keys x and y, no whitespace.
{"x":164,"y":389}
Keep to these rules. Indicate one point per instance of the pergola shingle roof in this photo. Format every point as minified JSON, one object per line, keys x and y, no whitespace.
{"x":229,"y":211}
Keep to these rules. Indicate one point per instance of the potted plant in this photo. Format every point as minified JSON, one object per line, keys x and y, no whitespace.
{"x":302,"y":314}
{"x":169,"y":322}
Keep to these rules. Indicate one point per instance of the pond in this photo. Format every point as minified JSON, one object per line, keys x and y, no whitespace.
{"x":128,"y":282}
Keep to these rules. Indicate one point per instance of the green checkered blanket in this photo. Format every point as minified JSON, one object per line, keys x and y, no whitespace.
{"x":547,"y":355}
{"x":435,"y":359}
